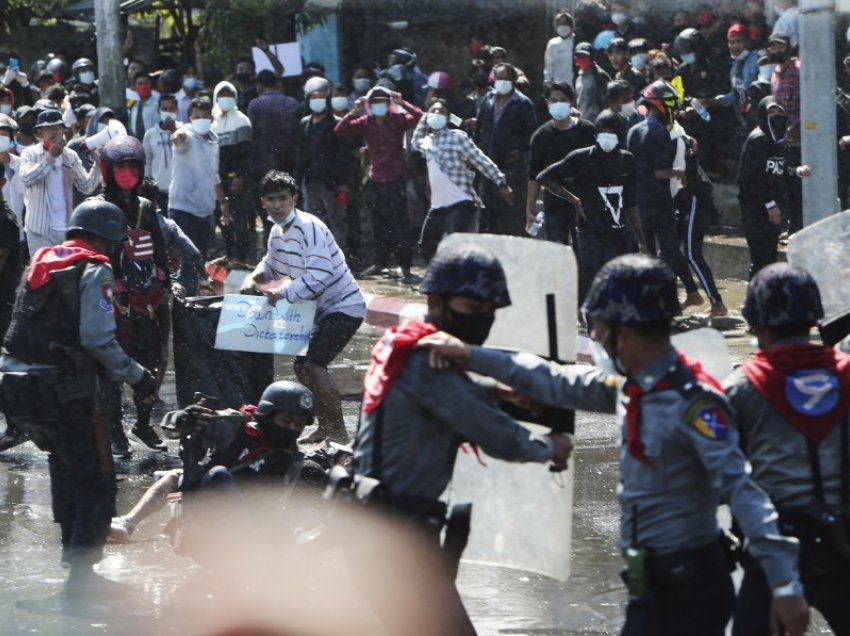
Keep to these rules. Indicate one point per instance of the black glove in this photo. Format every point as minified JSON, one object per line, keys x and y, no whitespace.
{"x":146,"y":386}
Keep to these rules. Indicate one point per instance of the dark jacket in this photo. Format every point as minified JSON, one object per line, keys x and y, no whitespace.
{"x":513,"y":130}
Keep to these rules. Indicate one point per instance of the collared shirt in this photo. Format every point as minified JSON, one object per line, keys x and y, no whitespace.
{"x":452,"y":151}
{"x":785,"y":86}
{"x":307,"y":253}
{"x":385,"y":140}
{"x":150,"y":115}
{"x":158,"y":156}
{"x":273,"y":146}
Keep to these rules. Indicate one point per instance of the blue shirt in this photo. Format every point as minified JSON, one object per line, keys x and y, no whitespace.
{"x":650,"y":143}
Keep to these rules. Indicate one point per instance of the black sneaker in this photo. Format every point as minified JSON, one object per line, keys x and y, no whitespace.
{"x":10,"y":440}
{"x":121,"y":449}
{"x":148,"y":437}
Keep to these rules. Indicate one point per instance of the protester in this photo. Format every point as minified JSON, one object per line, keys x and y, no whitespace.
{"x":159,"y":162}
{"x":558,"y":58}
{"x":271,"y":115}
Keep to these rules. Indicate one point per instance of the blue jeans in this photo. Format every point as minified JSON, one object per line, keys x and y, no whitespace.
{"x":199,"y":229}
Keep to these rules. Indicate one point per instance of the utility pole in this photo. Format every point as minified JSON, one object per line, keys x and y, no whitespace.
{"x":818,"y":109}
{"x":110,"y":56}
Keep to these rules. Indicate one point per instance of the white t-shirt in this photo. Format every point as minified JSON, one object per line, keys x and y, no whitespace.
{"x":56,"y":197}
{"x":444,"y":191}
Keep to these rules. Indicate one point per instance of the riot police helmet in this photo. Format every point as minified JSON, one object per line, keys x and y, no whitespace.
{"x":80,"y":64}
{"x":633,"y":288}
{"x":467,"y":270}
{"x":123,"y":148}
{"x":782,"y":295}
{"x":288,"y":397}
{"x":100,"y":218}
{"x":690,"y":40}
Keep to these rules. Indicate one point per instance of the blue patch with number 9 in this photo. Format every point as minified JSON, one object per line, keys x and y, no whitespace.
{"x":812,"y":391}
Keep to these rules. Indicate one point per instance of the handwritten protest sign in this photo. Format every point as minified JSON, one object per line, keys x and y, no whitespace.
{"x":249,"y":323}
{"x":289,"y":54}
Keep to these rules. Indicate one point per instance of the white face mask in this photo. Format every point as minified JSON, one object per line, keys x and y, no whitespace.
{"x":318,"y":105}
{"x":436,"y":121}
{"x":601,"y":359}
{"x":165,"y":116}
{"x":379,"y":109}
{"x":339,"y":103}
{"x":638,"y":60}
{"x":5,"y":143}
{"x":226,"y":103}
{"x":559,"y":110}
{"x":689,"y":58}
{"x":87,"y":77}
{"x":618,"y":18}
{"x":201,"y":126}
{"x":563,"y":30}
{"x":289,"y":219}
{"x":503,"y":87}
{"x":628,"y":109}
{"x":607,"y":141}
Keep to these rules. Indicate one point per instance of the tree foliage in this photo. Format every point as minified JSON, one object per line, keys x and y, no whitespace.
{"x":19,"y":13}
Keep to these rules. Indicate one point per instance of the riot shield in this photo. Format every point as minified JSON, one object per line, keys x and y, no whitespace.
{"x":522,"y":514}
{"x":821,"y":249}
{"x":708,"y":347}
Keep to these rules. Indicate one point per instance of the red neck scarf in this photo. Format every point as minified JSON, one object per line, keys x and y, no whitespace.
{"x":55,"y":257}
{"x":389,"y":356}
{"x":635,"y":392}
{"x":808,"y":384}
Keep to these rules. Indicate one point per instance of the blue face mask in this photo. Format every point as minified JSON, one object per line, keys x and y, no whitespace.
{"x":191,"y":83}
{"x":379,"y":109}
{"x":289,"y":219}
{"x":559,"y":110}
{"x":689,"y":58}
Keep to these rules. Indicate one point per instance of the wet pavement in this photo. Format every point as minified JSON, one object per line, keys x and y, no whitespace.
{"x":500,"y":601}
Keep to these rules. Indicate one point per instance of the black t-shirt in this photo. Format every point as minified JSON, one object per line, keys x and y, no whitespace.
{"x":550,"y":145}
{"x":9,"y":274}
{"x":605,"y":183}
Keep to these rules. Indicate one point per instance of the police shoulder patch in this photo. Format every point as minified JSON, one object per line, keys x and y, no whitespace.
{"x":708,"y":416}
{"x":105,"y":302}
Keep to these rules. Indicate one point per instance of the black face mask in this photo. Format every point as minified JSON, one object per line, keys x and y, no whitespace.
{"x":278,"y":436}
{"x":471,"y":328}
{"x":244,"y":78}
{"x":777,"y":125}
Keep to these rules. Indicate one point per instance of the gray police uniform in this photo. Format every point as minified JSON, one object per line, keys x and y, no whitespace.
{"x":668,"y":508}
{"x":781,"y":465}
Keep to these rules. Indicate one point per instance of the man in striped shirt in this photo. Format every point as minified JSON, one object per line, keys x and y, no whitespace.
{"x":302,"y":248}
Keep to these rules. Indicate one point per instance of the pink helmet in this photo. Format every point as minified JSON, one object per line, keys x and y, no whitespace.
{"x":439,"y":79}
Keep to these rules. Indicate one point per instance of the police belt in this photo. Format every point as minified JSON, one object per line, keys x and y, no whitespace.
{"x":667,"y":569}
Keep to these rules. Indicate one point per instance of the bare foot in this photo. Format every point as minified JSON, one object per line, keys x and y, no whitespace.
{"x":718,"y":310}
{"x":693,"y":300}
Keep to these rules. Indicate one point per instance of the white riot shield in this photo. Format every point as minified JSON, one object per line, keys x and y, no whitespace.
{"x":522,"y":513}
{"x":821,"y":249}
{"x":708,"y":347}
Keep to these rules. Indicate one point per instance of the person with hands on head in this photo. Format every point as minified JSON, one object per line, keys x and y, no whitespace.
{"x":679,"y":455}
{"x":59,"y":350}
{"x":303,"y":249}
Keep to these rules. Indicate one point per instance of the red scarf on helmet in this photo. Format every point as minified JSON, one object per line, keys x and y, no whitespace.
{"x":808,"y":384}
{"x":55,"y":257}
{"x":389,"y":356}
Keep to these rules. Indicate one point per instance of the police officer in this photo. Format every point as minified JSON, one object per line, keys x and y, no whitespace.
{"x":791,"y":402}
{"x":415,"y":417}
{"x":82,"y":87}
{"x":141,"y":280}
{"x":61,"y":338}
{"x":679,"y":455}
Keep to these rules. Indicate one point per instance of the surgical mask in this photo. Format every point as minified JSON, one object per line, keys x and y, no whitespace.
{"x":226,"y":103}
{"x":339,"y":103}
{"x":503,"y":86}
{"x":87,"y":77}
{"x":361,"y":84}
{"x":765,"y":72}
{"x":603,"y":361}
{"x":5,"y":143}
{"x":559,"y":110}
{"x":165,"y":116}
{"x":607,"y":141}
{"x":201,"y":126}
{"x":471,"y":328}
{"x":777,"y":125}
{"x":638,"y":60}
{"x":318,"y":105}
{"x":379,"y":109}
{"x":436,"y":121}
{"x":618,"y":18}
{"x":100,"y":126}
{"x":126,"y":178}
{"x":628,"y":109}
{"x":289,"y":219}
{"x":191,"y":83}
{"x":564,"y":31}
{"x":689,"y":58}
{"x":5,"y":108}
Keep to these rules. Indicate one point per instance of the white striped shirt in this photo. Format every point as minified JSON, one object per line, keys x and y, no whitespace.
{"x":309,"y":255}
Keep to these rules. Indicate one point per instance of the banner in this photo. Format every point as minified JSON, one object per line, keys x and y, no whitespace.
{"x":250,"y":323}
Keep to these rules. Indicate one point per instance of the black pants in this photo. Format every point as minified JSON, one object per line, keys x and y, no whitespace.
{"x":560,"y":224}
{"x":692,"y":233}
{"x":659,"y":228}
{"x":387,"y":204}
{"x":594,"y":250}
{"x":459,"y":217}
{"x":498,"y":217}
{"x":762,"y":237}
{"x":690,"y":592}
{"x":141,"y":337}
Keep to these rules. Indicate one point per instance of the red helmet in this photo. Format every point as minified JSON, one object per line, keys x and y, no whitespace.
{"x":662,"y":97}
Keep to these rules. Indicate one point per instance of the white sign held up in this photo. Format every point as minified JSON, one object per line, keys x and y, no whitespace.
{"x":250,"y":323}
{"x":289,"y":54}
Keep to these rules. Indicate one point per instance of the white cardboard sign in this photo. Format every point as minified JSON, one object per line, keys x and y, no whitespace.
{"x":250,"y":323}
{"x":289,"y":54}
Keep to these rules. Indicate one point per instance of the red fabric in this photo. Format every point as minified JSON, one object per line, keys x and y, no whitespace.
{"x":251,"y":430}
{"x":635,"y":392}
{"x":389,"y":356}
{"x":55,"y":257}
{"x":769,"y":372}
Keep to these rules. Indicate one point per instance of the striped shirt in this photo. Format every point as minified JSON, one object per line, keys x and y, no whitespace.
{"x":307,"y":252}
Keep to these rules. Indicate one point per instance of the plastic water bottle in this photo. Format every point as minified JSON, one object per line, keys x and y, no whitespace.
{"x":702,"y":111}
{"x":539,"y":220}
